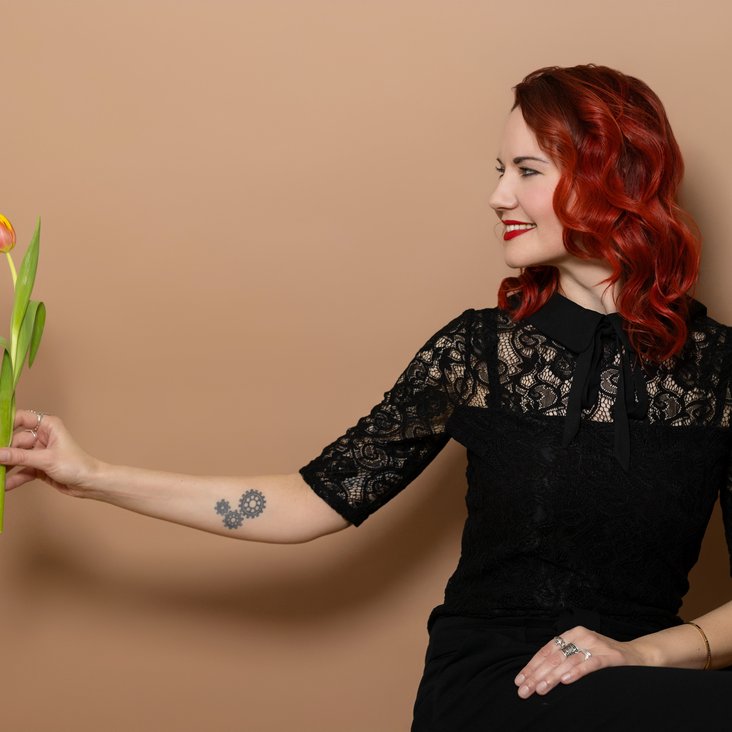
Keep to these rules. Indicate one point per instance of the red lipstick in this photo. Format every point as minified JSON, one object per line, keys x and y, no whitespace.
{"x":516,"y":232}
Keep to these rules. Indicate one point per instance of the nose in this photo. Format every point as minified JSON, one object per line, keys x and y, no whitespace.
{"x":503,"y":197}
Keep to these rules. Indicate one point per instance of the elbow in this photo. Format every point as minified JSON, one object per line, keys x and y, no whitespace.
{"x":323,"y":531}
{"x":300,"y":535}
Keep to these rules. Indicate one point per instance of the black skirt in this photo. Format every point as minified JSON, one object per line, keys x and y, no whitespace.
{"x":471,"y":664}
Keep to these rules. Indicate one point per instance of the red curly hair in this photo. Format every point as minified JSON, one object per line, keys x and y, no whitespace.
{"x":616,"y":199}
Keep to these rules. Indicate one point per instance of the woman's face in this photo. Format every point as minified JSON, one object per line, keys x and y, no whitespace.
{"x":531,"y":231}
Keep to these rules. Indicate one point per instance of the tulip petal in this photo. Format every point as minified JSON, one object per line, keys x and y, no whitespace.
{"x":23,"y":287}
{"x":7,"y":235}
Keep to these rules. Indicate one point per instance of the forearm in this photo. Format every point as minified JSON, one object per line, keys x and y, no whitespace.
{"x":683,"y":646}
{"x":276,"y":508}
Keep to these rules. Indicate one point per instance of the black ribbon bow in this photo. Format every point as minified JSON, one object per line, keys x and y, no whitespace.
{"x":584,"y":332}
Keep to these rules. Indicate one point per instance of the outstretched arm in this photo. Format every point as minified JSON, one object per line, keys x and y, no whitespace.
{"x":268,"y":508}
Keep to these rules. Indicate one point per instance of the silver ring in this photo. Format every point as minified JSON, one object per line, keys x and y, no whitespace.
{"x":34,"y":433}
{"x":40,"y":416}
{"x":560,"y":641}
{"x":569,"y":650}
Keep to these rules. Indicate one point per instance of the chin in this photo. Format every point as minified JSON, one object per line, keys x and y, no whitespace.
{"x":522,"y":263}
{"x":521,"y":260}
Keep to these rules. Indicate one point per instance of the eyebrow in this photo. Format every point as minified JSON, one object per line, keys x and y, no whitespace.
{"x":521,"y":159}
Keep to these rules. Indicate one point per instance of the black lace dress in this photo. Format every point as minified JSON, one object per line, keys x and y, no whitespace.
{"x":591,"y":480}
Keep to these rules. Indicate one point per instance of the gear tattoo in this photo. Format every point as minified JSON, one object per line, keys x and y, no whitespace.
{"x":251,"y":504}
{"x":233,"y":520}
{"x":223,"y":507}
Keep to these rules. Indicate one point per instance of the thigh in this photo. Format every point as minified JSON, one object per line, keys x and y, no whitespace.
{"x":624,"y":698}
{"x":468,"y":685}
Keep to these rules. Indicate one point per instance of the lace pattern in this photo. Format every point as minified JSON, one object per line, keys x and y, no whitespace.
{"x":535,"y":375}
{"x":482,"y":368}
{"x":385,"y":450}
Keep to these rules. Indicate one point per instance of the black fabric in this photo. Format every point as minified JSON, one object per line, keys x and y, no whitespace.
{"x":584,"y":333}
{"x":554,"y":521}
{"x":470,"y":665}
{"x":380,"y":455}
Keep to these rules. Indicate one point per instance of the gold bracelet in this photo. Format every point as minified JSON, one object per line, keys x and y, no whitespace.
{"x":706,"y":643}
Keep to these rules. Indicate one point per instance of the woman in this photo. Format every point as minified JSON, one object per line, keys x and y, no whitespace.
{"x":595,"y":405}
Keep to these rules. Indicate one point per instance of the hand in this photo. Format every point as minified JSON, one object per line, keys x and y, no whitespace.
{"x":52,"y":455}
{"x":550,"y":666}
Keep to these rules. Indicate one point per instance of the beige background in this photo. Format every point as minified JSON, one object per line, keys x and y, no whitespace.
{"x":253,"y":214}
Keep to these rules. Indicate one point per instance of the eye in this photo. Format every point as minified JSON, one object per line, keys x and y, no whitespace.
{"x":526,"y":172}
{"x":501,"y":170}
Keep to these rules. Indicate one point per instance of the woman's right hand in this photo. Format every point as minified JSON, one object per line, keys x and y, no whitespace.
{"x":47,"y":451}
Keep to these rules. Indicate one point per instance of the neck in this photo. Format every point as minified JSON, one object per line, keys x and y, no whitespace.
{"x":585,"y":285}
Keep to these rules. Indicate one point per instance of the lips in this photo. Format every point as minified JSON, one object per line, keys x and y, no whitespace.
{"x":516,"y":228}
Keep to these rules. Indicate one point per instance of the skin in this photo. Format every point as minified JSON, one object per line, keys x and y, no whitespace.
{"x":524,"y":193}
{"x":278,"y":509}
{"x":284,"y":509}
{"x":293,"y":513}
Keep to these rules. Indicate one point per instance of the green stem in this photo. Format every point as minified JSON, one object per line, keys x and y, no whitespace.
{"x":14,"y":275}
{"x":11,"y":264}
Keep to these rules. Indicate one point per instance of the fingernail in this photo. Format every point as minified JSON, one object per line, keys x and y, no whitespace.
{"x":566,"y":677}
{"x":519,"y":680}
{"x":541,"y":686}
{"x":4,"y":455}
{"x":523,"y":691}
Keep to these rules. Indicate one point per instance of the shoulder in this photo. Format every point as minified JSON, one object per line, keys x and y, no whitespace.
{"x":469,"y":333}
{"x":704,"y":329}
{"x":461,"y":330}
{"x":470,"y":318}
{"x":481,"y":319}
{"x":707,"y":353}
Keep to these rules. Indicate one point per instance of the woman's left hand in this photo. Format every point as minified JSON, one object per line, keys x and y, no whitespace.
{"x":550,"y":666}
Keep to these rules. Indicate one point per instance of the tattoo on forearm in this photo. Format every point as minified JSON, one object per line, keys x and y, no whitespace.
{"x":251,"y":505}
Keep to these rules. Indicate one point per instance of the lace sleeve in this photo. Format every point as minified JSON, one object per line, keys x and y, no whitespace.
{"x":387,"y":449}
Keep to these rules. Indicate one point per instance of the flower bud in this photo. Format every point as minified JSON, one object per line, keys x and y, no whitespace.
{"x":7,"y":235}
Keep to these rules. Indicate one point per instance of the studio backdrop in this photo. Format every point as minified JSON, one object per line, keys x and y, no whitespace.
{"x":253,"y":214}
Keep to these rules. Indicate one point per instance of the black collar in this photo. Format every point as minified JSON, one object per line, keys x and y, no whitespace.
{"x":583,"y":332}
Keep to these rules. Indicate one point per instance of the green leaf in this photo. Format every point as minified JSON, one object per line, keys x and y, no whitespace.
{"x":7,"y":415}
{"x":3,"y":471}
{"x":7,"y":391}
{"x":25,"y":337}
{"x":23,"y":287}
{"x":38,"y":325}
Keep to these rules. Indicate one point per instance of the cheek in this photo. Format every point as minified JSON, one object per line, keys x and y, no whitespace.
{"x":539,"y":204}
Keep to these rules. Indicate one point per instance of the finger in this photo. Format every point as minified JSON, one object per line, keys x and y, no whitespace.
{"x":28,"y":418}
{"x":26,"y":458}
{"x":550,"y":663}
{"x":542,"y":666}
{"x":46,"y":430}
{"x":566,"y":672}
{"x":25,"y":439}
{"x":15,"y":480}
{"x":528,"y":677}
{"x":536,"y":661}
{"x":583,"y":667}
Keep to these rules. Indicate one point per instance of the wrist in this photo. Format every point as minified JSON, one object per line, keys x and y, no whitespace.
{"x":707,"y":648}
{"x":681,"y":646}
{"x":648,"y":653}
{"x":95,"y":478}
